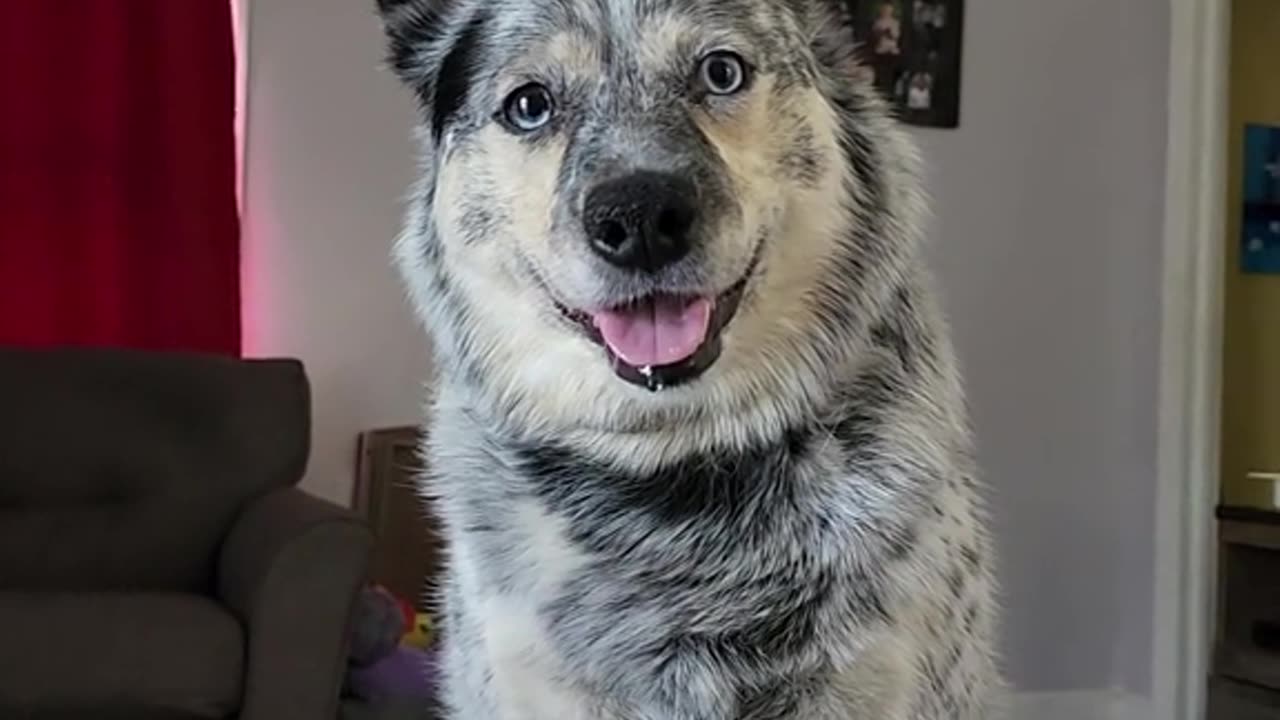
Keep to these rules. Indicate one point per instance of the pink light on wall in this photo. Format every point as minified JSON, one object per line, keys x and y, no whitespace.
{"x":239,"y":22}
{"x":253,"y":275}
{"x":259,"y":284}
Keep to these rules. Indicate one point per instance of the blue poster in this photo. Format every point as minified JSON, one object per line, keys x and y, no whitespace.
{"x":1261,"y":227}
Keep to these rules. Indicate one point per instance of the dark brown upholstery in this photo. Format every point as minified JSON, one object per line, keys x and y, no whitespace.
{"x":96,"y":442}
{"x":155,"y":558}
{"x":120,"y":652}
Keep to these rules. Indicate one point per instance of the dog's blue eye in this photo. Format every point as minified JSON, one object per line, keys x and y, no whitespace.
{"x":529,"y":108}
{"x":723,"y":73}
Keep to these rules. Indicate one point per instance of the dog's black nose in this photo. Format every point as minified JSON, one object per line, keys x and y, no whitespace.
{"x":642,"y":221}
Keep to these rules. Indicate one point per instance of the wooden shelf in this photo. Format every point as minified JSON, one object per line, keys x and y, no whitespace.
{"x":1240,"y":513}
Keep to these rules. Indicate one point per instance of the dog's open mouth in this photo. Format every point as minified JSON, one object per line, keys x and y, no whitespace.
{"x":662,"y":340}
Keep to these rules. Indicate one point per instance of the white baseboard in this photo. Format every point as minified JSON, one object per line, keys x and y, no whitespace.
{"x":1080,"y":705}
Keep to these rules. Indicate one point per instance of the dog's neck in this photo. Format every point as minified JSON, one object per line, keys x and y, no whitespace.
{"x":723,"y":422}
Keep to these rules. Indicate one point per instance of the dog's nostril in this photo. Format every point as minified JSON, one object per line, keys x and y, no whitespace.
{"x":612,"y":234}
{"x":674,"y":222}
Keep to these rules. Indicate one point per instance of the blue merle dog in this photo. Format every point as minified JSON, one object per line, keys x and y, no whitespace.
{"x":699,"y":442}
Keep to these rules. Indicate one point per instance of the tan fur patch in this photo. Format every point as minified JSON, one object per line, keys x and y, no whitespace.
{"x":574,"y":54}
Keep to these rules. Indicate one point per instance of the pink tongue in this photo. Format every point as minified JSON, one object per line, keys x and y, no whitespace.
{"x":661,"y":331}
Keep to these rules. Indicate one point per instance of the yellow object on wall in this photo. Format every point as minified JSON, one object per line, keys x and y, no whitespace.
{"x":1251,"y":350}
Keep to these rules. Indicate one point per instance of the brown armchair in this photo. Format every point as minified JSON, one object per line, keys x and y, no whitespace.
{"x":156,"y":560}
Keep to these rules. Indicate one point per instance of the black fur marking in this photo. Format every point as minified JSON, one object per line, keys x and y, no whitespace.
{"x":956,"y":582}
{"x":896,"y":333}
{"x":673,"y":651}
{"x":861,"y":153}
{"x":866,"y":601}
{"x":900,"y":541}
{"x":939,"y":669}
{"x":858,"y":430}
{"x":801,"y":161}
{"x":457,"y":322}
{"x":936,"y":679}
{"x":453,"y":82}
{"x":776,"y":702}
{"x":479,"y":221}
{"x":710,"y":484}
{"x":789,"y":628}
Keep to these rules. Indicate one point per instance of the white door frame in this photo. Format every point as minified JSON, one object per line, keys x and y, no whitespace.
{"x":1191,"y":348}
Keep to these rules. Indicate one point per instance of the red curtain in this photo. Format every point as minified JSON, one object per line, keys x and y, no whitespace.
{"x":118,"y":218}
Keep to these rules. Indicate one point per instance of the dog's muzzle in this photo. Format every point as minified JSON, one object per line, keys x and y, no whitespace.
{"x":645,"y":223}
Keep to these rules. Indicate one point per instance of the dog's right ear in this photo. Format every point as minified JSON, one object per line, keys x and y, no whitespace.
{"x":391,"y":9}
{"x":386,"y":6}
{"x":433,"y":46}
{"x":411,"y":27}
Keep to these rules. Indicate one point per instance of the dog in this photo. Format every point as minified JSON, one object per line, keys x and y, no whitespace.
{"x":699,"y":443}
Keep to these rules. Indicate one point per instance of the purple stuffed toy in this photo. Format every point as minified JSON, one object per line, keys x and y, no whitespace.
{"x":377,"y":627}
{"x":404,"y":674}
{"x":381,"y":668}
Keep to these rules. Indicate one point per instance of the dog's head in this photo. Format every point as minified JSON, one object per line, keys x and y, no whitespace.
{"x":625,"y":196}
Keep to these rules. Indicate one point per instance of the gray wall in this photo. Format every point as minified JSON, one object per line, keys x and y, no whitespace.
{"x":1048,"y":204}
{"x":329,"y":159}
{"x":1046,"y":239}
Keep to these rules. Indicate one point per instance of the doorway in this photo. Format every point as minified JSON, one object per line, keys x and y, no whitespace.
{"x":1245,"y":662}
{"x":1218,"y":422}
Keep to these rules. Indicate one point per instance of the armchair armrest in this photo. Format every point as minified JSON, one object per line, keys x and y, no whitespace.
{"x":290,"y":570}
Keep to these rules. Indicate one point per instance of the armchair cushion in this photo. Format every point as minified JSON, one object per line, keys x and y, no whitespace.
{"x":105,"y":655}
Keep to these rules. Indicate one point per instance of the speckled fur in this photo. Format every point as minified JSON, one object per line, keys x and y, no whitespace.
{"x":796,"y":535}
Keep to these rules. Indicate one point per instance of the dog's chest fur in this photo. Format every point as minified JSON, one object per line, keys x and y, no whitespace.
{"x":834,"y":572}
